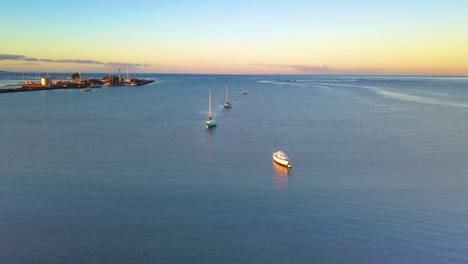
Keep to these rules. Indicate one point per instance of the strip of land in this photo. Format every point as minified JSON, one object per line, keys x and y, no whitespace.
{"x":48,"y":84}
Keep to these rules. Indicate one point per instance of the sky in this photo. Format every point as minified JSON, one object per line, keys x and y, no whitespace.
{"x":236,"y":37}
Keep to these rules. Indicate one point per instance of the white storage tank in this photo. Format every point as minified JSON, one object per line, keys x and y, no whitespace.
{"x":46,"y":81}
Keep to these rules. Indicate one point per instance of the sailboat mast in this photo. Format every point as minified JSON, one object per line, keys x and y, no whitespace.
{"x":225,"y":99}
{"x":209,"y":103}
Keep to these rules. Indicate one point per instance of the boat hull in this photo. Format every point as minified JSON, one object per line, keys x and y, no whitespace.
{"x":210,"y":123}
{"x":284,"y":162}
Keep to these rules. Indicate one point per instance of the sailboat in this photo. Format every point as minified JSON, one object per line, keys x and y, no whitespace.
{"x":244,"y":91}
{"x":210,"y":122}
{"x":128,"y":81}
{"x":227,"y":104}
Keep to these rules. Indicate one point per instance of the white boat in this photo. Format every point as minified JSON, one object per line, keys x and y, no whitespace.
{"x":210,"y":122}
{"x":281,"y":158}
{"x":130,"y":83}
{"x":227,"y":104}
{"x":244,"y":91}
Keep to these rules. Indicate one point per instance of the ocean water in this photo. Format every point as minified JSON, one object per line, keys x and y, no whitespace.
{"x":131,"y":175}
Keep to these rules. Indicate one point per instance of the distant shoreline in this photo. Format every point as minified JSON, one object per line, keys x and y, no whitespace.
{"x":261,"y":74}
{"x":49,"y":84}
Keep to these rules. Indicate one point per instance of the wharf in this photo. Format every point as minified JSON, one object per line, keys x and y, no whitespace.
{"x":29,"y":87}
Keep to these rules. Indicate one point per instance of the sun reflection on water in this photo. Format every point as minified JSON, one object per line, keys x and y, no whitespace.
{"x":281,"y":175}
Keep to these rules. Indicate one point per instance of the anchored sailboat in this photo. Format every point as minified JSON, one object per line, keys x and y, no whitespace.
{"x":210,"y":122}
{"x":227,"y":104}
{"x":244,"y":91}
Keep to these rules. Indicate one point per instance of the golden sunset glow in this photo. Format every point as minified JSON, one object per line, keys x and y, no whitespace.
{"x":301,"y":37}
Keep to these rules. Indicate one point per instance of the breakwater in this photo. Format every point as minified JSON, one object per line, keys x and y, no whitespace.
{"x":29,"y":87}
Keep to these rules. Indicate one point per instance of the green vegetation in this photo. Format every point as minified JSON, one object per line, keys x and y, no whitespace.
{"x":76,"y":75}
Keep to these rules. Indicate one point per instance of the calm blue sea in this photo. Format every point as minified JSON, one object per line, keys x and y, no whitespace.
{"x":131,"y":175}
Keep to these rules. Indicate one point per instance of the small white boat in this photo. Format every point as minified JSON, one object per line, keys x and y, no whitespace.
{"x":130,"y":84}
{"x":244,"y":91}
{"x":227,"y":104}
{"x":281,"y":158}
{"x":210,"y":122}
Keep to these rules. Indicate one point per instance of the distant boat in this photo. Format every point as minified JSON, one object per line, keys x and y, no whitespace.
{"x":227,"y":104}
{"x":130,"y":84}
{"x":128,"y":81}
{"x":244,"y":91}
{"x":85,"y":90}
{"x":210,"y":122}
{"x":281,"y":158}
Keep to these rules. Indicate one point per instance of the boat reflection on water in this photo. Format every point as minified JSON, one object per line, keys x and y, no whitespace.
{"x":210,"y":132}
{"x":281,"y":175}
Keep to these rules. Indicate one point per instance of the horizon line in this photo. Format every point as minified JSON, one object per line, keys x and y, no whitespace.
{"x":252,"y":74}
